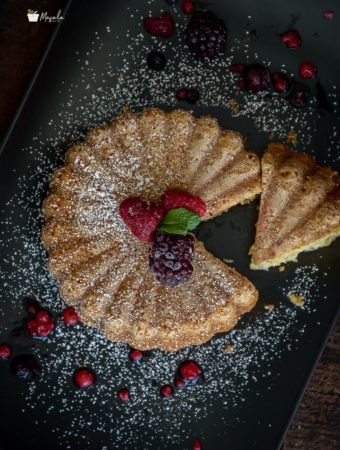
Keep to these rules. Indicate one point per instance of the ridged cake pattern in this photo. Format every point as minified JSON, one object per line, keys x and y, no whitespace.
{"x":299,"y":208}
{"x":103,"y":270}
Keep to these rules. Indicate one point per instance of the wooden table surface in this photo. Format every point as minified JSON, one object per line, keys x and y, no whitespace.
{"x":317,"y":422}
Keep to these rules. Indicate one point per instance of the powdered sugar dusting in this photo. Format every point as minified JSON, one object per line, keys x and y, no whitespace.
{"x":261,"y":339}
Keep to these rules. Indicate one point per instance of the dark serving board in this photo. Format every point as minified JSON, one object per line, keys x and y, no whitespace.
{"x":95,"y":65}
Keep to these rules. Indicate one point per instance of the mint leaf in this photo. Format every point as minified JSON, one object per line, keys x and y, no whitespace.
{"x":179,"y":221}
{"x":173,"y":228}
{"x":193,"y":221}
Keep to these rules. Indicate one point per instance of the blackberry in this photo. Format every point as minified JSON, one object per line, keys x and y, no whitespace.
{"x":170,"y":257}
{"x":206,"y":34}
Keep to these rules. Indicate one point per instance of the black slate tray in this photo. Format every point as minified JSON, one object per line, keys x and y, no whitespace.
{"x":247,"y":401}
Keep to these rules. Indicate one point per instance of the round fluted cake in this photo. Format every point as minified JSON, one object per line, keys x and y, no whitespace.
{"x":103,"y":270}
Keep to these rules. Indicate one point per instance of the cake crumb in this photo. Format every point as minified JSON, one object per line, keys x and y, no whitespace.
{"x":282,"y":268}
{"x":228,"y":261}
{"x":269,"y":307}
{"x":292,"y":137}
{"x":234,"y":106}
{"x":296,"y":299}
{"x":229,"y":348}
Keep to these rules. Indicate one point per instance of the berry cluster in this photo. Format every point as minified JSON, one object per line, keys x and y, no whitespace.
{"x":206,"y":37}
{"x":257,"y":77}
{"x":5,"y":351}
{"x":167,"y":225}
{"x":41,"y":325}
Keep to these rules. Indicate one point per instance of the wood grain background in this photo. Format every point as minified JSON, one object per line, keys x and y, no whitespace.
{"x":317,"y":422}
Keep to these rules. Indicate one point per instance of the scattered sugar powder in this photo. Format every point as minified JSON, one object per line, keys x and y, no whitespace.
{"x":263,"y":336}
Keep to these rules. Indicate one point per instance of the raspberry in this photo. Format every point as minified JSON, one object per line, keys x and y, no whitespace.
{"x":188,"y":6}
{"x":142,"y":217}
{"x":307,"y":70}
{"x":5,"y":351}
{"x":280,"y":82}
{"x":43,"y":316}
{"x":175,"y":198}
{"x":70,"y":316}
{"x":32,"y":327}
{"x":197,"y":445}
{"x":84,"y":378}
{"x":123,"y":394}
{"x":292,"y":39}
{"x":167,"y":391}
{"x":44,"y":329}
{"x":299,"y":95}
{"x":163,"y":26}
{"x":328,"y":15}
{"x":237,"y":68}
{"x":256,"y":77}
{"x":170,"y":258}
{"x":206,"y":34}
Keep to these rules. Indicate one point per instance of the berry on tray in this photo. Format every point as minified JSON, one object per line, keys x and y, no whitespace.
{"x":193,"y":96}
{"x":167,"y":391}
{"x":280,"y":82}
{"x":197,"y":445}
{"x":181,"y":94}
{"x":141,"y":216}
{"x":84,"y":378}
{"x":5,"y":351}
{"x":188,"y":7}
{"x":308,"y":70}
{"x":135,"y":355}
{"x":291,"y":39}
{"x":123,"y":394}
{"x":163,"y":26}
{"x":206,"y":34}
{"x":256,"y":77}
{"x":299,"y":95}
{"x":25,"y":367}
{"x":328,"y":15}
{"x":70,"y":316}
{"x":237,"y":68}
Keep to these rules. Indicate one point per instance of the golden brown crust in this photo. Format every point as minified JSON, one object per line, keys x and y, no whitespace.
{"x":103,"y":270}
{"x":299,"y":209}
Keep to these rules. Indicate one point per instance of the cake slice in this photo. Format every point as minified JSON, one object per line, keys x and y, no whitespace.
{"x":299,"y":207}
